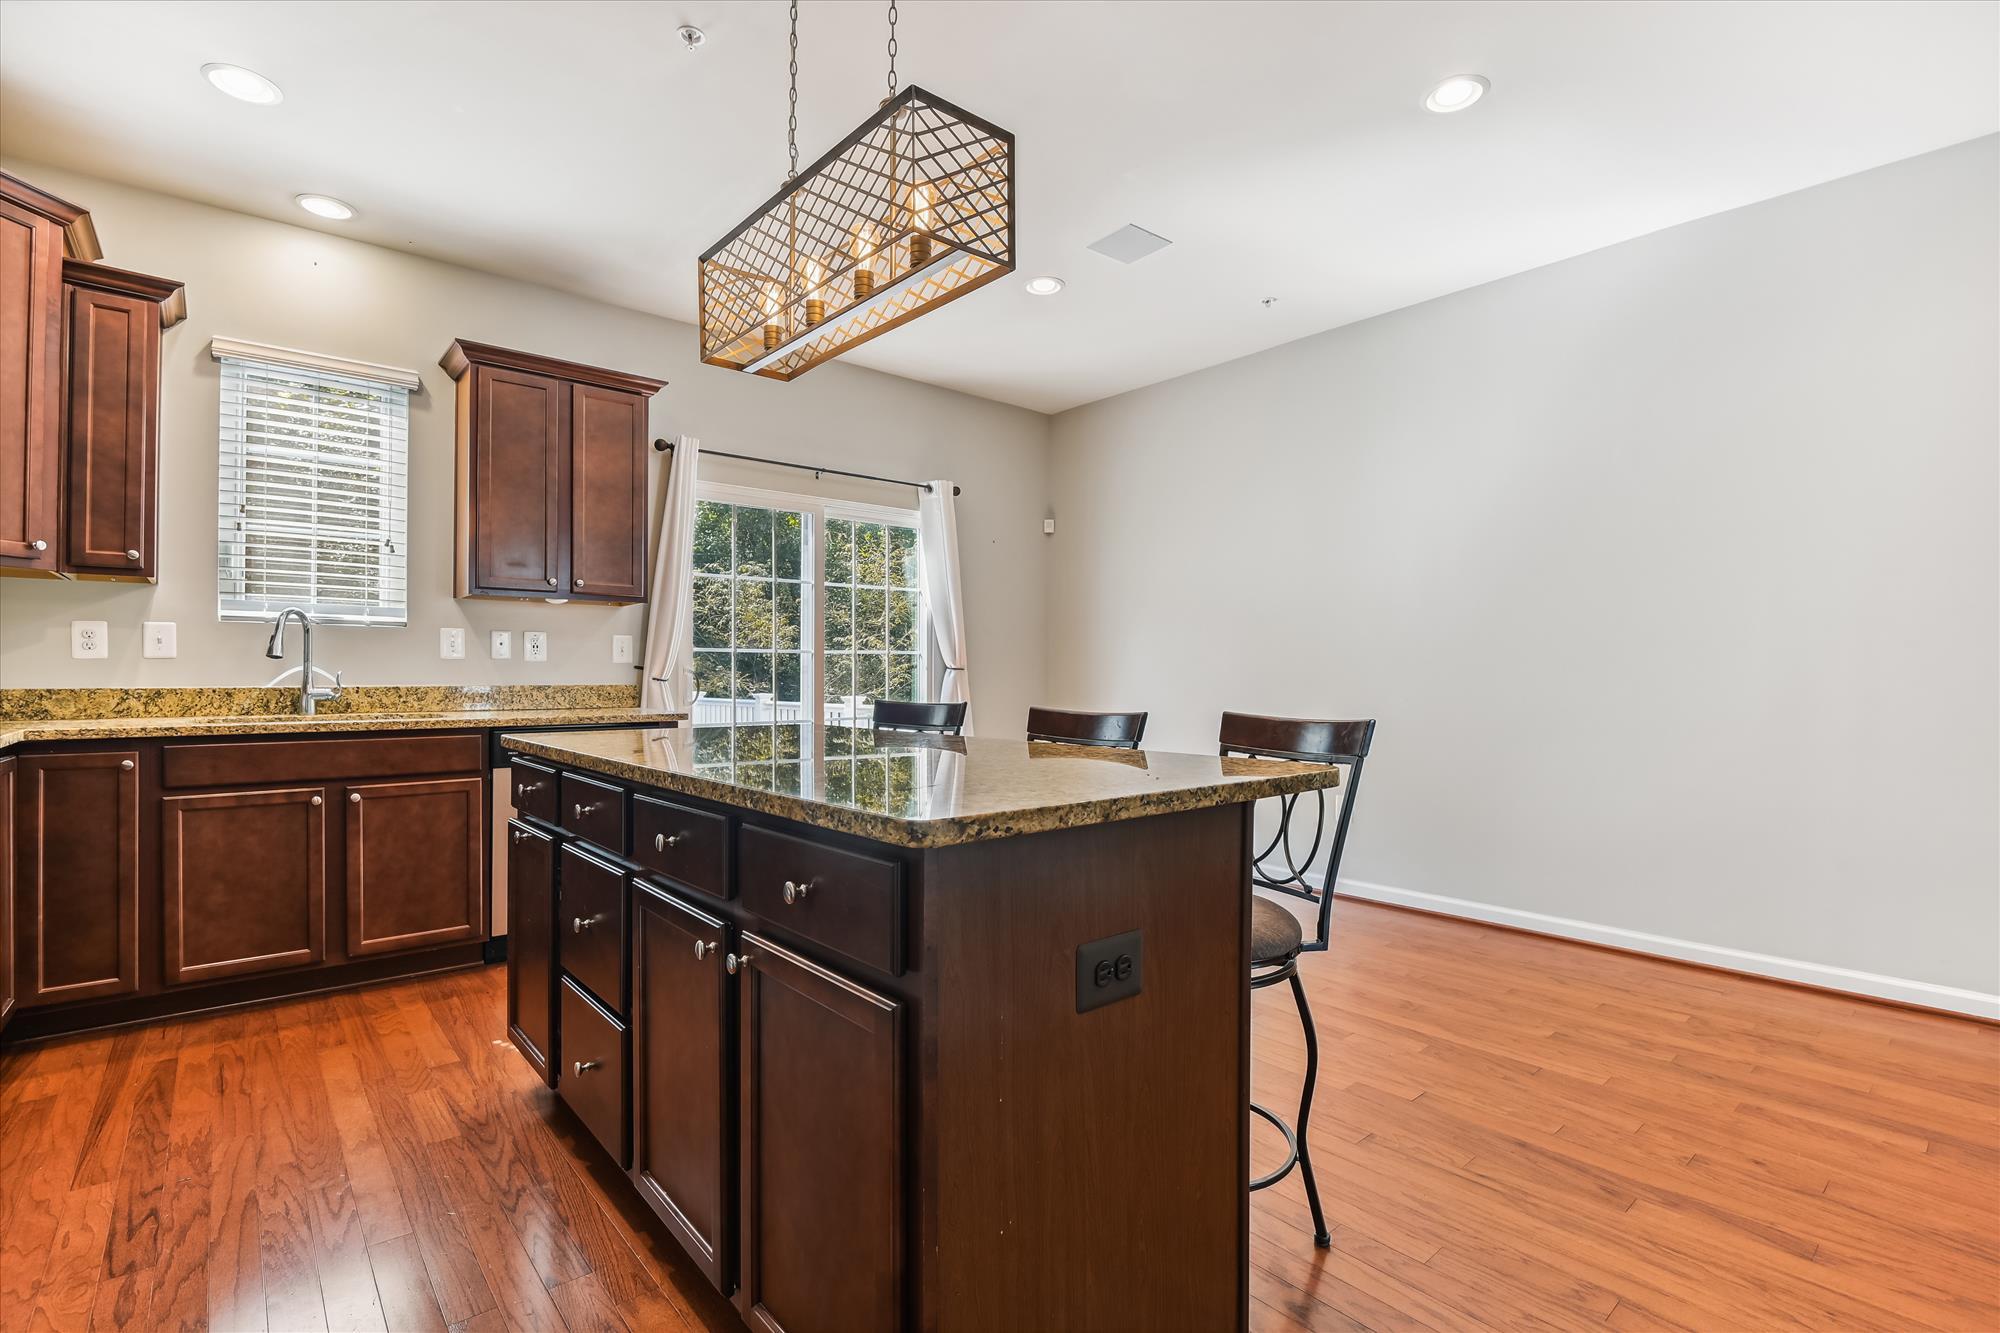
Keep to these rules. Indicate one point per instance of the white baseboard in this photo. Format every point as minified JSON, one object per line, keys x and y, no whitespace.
{"x":1975,"y":1003}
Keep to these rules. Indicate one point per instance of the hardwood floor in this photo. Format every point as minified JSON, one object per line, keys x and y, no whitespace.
{"x":1511,"y":1133}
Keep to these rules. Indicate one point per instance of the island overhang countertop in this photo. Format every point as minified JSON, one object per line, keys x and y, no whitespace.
{"x":914,"y":790}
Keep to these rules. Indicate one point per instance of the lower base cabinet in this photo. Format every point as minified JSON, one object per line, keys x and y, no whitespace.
{"x":821,"y":1115}
{"x":77,"y":897}
{"x":531,"y":974}
{"x":416,"y":864}
{"x":6,"y":890}
{"x":242,"y":882}
{"x":593,"y":1078}
{"x":682,"y":1132}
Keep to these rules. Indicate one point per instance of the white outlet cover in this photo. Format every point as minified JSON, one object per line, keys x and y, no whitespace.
{"x":160,"y":639}
{"x":621,"y":648}
{"x":89,"y":638}
{"x":534,"y":645}
{"x":451,"y":642}
{"x":503,"y":644}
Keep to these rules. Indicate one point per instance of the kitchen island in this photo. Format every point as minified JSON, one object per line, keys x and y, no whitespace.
{"x":904,"y":1032}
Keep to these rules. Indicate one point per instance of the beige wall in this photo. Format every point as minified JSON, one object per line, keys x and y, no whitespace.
{"x":290,"y":286}
{"x":1671,"y":572}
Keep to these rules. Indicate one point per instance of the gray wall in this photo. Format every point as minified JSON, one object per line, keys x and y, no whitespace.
{"x":294,"y":287}
{"x":1669,"y":571}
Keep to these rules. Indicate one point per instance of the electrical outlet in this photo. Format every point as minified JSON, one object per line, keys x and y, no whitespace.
{"x":534,"y":646}
{"x":89,"y":638}
{"x":503,"y":645}
{"x":451,"y":641}
{"x":621,"y":648}
{"x":159,"y":639}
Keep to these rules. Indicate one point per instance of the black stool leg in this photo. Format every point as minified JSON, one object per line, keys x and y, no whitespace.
{"x":1320,"y":1236}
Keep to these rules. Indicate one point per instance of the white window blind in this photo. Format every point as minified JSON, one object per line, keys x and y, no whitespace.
{"x":314,"y":494}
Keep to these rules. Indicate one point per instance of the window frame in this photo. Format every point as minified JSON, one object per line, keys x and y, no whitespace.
{"x":396,"y":519}
{"x":819,"y":509}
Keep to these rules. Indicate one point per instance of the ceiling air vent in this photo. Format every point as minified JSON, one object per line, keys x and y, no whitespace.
{"x":1129,"y":244}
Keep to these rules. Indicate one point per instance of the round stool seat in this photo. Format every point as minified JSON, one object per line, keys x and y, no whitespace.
{"x":1275,"y":936}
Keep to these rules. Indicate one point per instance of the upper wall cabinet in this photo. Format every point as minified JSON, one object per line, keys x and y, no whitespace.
{"x":551,"y":477}
{"x":79,"y":396}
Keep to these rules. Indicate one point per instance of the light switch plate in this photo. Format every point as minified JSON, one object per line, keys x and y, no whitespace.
{"x":534,"y":645}
{"x":89,"y":638}
{"x":621,"y":648}
{"x":451,"y":641}
{"x":160,"y":639}
{"x":503,"y":644}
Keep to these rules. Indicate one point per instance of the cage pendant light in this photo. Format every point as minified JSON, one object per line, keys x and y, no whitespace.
{"x":913,"y":209}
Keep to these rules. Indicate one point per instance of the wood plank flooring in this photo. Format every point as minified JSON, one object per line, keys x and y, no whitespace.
{"x":1511,"y":1133}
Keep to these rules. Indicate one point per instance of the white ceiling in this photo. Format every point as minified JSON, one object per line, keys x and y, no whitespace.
{"x":1283,"y":147}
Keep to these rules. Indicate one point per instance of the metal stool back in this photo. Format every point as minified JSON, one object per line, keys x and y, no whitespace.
{"x":1118,"y":730}
{"x":941,"y":719}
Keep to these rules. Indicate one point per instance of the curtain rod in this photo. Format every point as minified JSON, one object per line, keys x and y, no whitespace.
{"x":666,"y":446}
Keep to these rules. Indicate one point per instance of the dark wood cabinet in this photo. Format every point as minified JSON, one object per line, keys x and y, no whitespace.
{"x":6,"y":890}
{"x":682,"y":1135}
{"x":531,"y":973}
{"x":79,"y":396}
{"x":593,"y":1078}
{"x":242,"y":882}
{"x":77,"y":897}
{"x":821,"y":1134}
{"x":551,"y":465}
{"x":111,"y":418}
{"x":415,"y":864}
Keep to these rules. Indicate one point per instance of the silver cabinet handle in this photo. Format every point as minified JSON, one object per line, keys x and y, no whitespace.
{"x":661,"y":841}
{"x":354,"y":798}
{"x":578,"y":582}
{"x":319,"y":800}
{"x":38,"y":546}
{"x":703,"y":948}
{"x":579,"y":924}
{"x":583,"y":1067}
{"x":582,"y":810}
{"x":520,"y":835}
{"x":523,"y":788}
{"x":131,"y":555}
{"x":125,"y":764}
{"x":737,"y":962}
{"x":796,"y":893}
{"x":552,"y":582}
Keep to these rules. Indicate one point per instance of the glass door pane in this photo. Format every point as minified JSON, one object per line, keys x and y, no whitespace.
{"x":874,"y":628}
{"x":752,"y":614}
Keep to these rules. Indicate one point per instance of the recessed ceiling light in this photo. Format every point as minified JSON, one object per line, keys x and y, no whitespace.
{"x":245,"y":85}
{"x":326,"y":206}
{"x":1044,"y":286}
{"x":1456,"y":93}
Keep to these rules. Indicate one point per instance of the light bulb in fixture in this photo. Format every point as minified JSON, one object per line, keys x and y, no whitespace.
{"x":815,"y":300}
{"x":920,"y":211}
{"x":325,"y":206}
{"x":1045,"y":286}
{"x":1456,"y":93}
{"x":774,"y":333}
{"x":864,"y":268}
{"x":245,"y":85}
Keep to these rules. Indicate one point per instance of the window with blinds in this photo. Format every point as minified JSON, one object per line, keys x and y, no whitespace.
{"x":314,"y":494}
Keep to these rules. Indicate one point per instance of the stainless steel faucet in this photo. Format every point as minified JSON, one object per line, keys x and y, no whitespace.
{"x":309,"y":694}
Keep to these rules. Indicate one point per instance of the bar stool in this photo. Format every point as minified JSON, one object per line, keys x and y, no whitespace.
{"x":1276,"y":940}
{"x":1117,"y":730}
{"x":939,"y":719}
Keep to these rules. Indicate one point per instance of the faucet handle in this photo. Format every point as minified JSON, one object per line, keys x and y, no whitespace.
{"x":336,"y":685}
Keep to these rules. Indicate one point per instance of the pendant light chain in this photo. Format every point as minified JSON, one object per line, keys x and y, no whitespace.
{"x":792,"y":125}
{"x":892,"y":50}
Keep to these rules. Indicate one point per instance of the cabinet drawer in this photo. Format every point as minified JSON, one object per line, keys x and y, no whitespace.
{"x":590,"y":924}
{"x":534,"y":790}
{"x":688,"y":846}
{"x":594,"y":810}
{"x":848,"y":902}
{"x":244,"y":762}
{"x":593,"y":1078}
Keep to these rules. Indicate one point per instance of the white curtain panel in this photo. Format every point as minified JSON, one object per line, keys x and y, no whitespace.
{"x":937,"y":520}
{"x":669,"y":673}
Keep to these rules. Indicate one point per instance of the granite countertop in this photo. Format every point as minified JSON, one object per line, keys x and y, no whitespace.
{"x":915,"y":790}
{"x":111,"y":714}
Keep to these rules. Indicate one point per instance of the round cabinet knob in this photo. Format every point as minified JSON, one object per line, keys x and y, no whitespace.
{"x":552,"y":583}
{"x":354,"y":798}
{"x":38,"y":546}
{"x":661,"y":841}
{"x":796,"y":893}
{"x":131,"y":555}
{"x":319,"y":800}
{"x":527,"y":787}
{"x":737,"y":962}
{"x":703,"y":948}
{"x":582,"y":810}
{"x":579,"y":924}
{"x":578,"y":583}
{"x":125,"y":764}
{"x":520,"y":835}
{"x":585,"y":1066}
